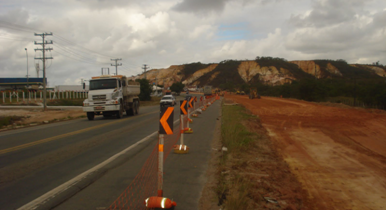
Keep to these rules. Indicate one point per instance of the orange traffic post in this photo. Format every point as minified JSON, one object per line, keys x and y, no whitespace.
{"x":190,"y":106}
{"x":182,"y":149}
{"x":165,"y":127}
{"x":188,"y":129}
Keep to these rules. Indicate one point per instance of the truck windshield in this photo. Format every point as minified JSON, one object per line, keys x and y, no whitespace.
{"x":103,"y":84}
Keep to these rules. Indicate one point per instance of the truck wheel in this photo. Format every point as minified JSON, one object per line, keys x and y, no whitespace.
{"x":120,"y":113}
{"x":137,"y":108}
{"x":90,"y":115}
{"x":130,"y":111}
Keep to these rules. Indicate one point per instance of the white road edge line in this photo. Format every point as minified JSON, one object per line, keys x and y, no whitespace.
{"x":61,"y":188}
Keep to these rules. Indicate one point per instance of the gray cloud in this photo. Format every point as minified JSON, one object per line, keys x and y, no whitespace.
{"x":200,"y":5}
{"x":328,"y":12}
{"x":106,"y":4}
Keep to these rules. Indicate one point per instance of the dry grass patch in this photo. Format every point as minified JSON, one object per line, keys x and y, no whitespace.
{"x":251,"y":174}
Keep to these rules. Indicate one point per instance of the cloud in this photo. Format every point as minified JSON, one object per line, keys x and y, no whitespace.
{"x":328,"y":12}
{"x":200,"y":6}
{"x":106,"y":4}
{"x":88,"y":33}
{"x":339,"y":29}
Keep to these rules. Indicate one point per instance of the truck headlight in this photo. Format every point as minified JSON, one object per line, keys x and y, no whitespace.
{"x":115,"y":95}
{"x":85,"y":104}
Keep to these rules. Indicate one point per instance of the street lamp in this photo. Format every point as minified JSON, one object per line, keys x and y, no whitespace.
{"x":27,"y":66}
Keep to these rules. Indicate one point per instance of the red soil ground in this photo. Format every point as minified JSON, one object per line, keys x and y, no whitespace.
{"x":337,"y":154}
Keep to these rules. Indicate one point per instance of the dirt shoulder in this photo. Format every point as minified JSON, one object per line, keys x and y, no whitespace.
{"x":28,"y":117}
{"x":251,"y":174}
{"x":337,"y":154}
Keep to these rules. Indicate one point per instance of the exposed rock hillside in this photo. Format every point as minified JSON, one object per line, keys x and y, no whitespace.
{"x":274,"y":72}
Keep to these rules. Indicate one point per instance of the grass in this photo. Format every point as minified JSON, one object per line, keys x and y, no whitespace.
{"x":233,"y":190}
{"x":235,"y":136}
{"x":154,"y":101}
{"x":8,"y":120}
{"x":66,"y":102}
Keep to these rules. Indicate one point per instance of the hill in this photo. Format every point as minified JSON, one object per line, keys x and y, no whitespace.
{"x":313,"y":80}
{"x":266,"y":70}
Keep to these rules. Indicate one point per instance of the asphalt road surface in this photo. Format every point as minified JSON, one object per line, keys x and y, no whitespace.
{"x":40,"y":160}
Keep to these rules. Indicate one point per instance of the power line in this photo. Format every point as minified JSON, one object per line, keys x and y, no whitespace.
{"x":79,"y":56}
{"x":82,"y":61}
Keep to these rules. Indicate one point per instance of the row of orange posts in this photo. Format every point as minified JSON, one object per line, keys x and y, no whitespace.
{"x":141,"y":192}
{"x":165,"y":129}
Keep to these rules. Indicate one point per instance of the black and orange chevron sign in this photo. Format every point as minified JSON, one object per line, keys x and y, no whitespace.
{"x":183,"y":107}
{"x":166,"y":120}
{"x":190,"y":102}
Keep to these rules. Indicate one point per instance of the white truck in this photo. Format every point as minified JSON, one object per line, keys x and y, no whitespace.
{"x":112,"y":95}
{"x":207,"y":90}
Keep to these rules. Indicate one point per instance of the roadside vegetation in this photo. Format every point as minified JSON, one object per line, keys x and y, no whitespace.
{"x":233,"y":189}
{"x":9,"y":120}
{"x":66,"y":102}
{"x":177,"y":87}
{"x":154,"y":100}
{"x":251,"y":174}
{"x":367,"y":93}
{"x":145,"y":89}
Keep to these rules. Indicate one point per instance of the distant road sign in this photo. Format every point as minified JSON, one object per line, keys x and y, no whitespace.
{"x":190,"y":102}
{"x":183,"y":107}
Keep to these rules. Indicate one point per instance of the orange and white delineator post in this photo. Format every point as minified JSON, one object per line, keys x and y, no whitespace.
{"x":166,"y":127}
{"x":160,"y":166}
{"x":188,"y":129}
{"x":189,"y":120}
{"x":181,"y":149}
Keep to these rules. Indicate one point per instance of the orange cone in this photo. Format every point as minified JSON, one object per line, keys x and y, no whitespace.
{"x":159,"y":202}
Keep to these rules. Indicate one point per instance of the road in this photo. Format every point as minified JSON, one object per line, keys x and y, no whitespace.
{"x":38,"y":159}
{"x":337,"y":153}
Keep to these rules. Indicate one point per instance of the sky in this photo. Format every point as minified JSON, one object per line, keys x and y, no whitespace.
{"x":87,"y":34}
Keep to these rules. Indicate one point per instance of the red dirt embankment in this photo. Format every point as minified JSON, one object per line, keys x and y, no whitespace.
{"x":338,"y":154}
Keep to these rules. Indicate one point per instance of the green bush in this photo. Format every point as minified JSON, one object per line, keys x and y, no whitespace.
{"x":177,"y":87}
{"x":8,"y":120}
{"x":145,"y":90}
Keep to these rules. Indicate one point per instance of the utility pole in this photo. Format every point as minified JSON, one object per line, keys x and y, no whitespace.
{"x":27,"y":67}
{"x":43,"y":35}
{"x":117,"y":64}
{"x":145,"y":68}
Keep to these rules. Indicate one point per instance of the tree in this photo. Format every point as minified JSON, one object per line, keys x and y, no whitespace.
{"x":145,"y":89}
{"x":177,"y":87}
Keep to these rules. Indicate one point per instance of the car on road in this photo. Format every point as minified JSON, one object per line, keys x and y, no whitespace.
{"x":168,"y":100}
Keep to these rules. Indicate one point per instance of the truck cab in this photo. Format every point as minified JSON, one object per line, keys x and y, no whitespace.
{"x":112,"y":95}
